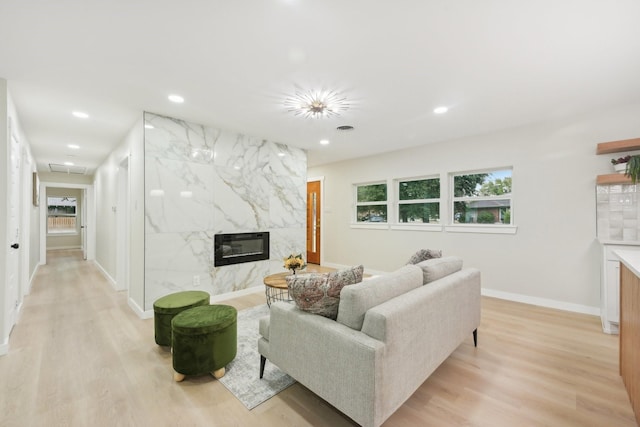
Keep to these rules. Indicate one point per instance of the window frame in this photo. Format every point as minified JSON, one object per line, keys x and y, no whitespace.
{"x":397,"y":225}
{"x":66,"y":232}
{"x":494,"y":228}
{"x":367,"y":224}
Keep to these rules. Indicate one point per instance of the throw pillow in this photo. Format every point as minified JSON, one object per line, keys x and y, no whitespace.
{"x":320,"y":293}
{"x":435,"y":269}
{"x":423,"y":255}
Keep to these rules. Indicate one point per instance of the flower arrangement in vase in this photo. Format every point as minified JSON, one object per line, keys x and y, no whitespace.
{"x":294,"y":262}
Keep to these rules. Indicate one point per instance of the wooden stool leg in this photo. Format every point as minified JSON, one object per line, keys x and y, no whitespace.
{"x":219,"y":373}
{"x":177,"y":376}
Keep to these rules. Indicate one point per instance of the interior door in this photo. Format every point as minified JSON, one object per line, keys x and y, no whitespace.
{"x":313,"y":222}
{"x":13,"y":255}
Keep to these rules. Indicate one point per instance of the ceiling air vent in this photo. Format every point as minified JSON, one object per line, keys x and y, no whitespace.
{"x":78,"y":170}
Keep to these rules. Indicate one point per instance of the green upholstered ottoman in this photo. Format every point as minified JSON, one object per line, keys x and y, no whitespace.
{"x":204,"y":339}
{"x":165,"y":308}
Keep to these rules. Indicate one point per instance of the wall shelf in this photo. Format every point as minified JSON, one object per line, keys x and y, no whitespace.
{"x":618,"y":146}
{"x":613,"y":178}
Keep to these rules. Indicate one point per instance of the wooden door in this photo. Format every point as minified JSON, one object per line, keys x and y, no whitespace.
{"x":313,"y":222}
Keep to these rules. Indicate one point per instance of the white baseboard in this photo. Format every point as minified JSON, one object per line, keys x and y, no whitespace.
{"x":55,"y":248}
{"x":4,"y":348}
{"x":542,"y":302}
{"x":107,"y":276}
{"x":234,"y":294}
{"x":138,"y":310}
{"x":33,"y":276}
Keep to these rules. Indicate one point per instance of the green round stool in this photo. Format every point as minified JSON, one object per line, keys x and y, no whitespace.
{"x":204,"y":339}
{"x":165,"y":308}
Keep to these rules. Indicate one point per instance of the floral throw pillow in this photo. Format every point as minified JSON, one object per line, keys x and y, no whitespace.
{"x":319,"y":293}
{"x":423,"y":255}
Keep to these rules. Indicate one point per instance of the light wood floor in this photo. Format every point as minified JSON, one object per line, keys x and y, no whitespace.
{"x":80,"y":357}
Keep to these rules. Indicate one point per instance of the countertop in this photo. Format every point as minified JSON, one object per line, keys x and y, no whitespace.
{"x":631,"y":259}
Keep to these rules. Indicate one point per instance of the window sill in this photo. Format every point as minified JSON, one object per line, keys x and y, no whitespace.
{"x":370,"y":225}
{"x":478,"y":228}
{"x":417,"y":227}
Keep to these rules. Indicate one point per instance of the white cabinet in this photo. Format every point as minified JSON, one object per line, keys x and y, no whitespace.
{"x":610,"y":287}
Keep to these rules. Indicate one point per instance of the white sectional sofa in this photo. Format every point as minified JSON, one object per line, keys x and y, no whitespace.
{"x":391,"y":333}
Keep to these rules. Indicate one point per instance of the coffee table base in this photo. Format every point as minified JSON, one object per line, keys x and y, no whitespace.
{"x":276,"y":294}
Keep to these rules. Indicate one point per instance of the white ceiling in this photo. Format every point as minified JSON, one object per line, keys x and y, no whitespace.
{"x":494,"y":63}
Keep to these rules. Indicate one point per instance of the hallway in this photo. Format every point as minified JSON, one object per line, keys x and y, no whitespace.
{"x":79,"y":356}
{"x":64,"y":366}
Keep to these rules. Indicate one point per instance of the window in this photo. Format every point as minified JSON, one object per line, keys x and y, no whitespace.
{"x":482,"y":198}
{"x":371,"y":203}
{"x":419,"y":201}
{"x":61,"y":215}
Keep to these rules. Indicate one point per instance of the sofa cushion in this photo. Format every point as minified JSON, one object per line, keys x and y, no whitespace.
{"x":320,"y":293}
{"x":355,"y":300}
{"x":423,"y":255}
{"x":437,"y":268}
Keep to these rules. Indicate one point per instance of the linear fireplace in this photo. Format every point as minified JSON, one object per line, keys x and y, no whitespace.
{"x":236,"y":248}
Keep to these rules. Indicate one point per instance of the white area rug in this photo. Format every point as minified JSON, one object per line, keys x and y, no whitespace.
{"x":242,"y":374}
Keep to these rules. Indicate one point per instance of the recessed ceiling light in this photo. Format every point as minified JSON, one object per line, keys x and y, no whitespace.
{"x":176,"y":98}
{"x":73,"y":146}
{"x":80,"y":115}
{"x":440,"y":110}
{"x":148,"y":126}
{"x":68,"y":163}
{"x":324,"y":141}
{"x":281,"y":154}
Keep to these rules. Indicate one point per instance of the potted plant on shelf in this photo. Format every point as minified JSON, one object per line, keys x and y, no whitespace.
{"x":633,"y":169}
{"x":620,"y":164}
{"x":629,"y":165}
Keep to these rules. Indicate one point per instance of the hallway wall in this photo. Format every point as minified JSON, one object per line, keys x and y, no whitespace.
{"x":29,"y":244}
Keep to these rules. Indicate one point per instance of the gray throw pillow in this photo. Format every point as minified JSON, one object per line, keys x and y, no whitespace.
{"x":434,"y":269}
{"x":423,"y":255}
{"x":319,"y":293}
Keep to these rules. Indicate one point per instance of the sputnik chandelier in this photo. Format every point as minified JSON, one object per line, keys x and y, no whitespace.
{"x":316,"y":104}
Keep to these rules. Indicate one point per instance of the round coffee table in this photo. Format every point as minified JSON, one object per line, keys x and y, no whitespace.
{"x":276,"y":287}
{"x":276,"y":284}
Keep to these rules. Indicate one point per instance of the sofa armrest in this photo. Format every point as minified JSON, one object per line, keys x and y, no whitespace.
{"x":339,"y":364}
{"x":428,"y":324}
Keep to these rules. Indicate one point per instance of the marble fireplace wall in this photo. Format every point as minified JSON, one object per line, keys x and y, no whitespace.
{"x":200,"y":181}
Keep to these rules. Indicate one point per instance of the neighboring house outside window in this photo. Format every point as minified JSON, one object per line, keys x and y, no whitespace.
{"x":371,"y":203}
{"x":482,"y":199}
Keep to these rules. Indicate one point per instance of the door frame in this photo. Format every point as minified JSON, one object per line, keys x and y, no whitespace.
{"x":25,"y":227}
{"x":11,"y":310}
{"x":89,"y":217}
{"x":322,"y":211}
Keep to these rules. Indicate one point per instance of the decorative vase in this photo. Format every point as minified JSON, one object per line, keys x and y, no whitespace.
{"x":620,"y":167}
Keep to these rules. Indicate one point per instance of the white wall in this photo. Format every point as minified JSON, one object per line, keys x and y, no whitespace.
{"x":29,"y":260}
{"x":106,"y":187}
{"x":4,"y":182}
{"x":554,"y":255}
